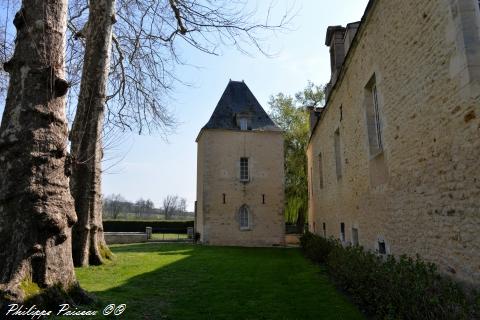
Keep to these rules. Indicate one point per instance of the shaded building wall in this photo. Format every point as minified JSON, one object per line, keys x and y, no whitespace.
{"x":421,"y":194}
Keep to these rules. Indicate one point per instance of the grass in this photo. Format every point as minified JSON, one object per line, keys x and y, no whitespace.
{"x":184,"y":281}
{"x":29,"y":288}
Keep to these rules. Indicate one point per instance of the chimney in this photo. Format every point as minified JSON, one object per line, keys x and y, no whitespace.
{"x":314,"y":115}
{"x":350,"y":34}
{"x":335,"y":40}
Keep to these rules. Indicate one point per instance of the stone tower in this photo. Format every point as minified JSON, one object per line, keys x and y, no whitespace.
{"x":240,"y":174}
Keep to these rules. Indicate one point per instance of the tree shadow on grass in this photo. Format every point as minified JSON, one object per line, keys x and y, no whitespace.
{"x":198,"y":282}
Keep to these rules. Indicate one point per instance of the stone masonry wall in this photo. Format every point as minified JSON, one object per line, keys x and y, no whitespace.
{"x":219,"y":153}
{"x":422,"y":194}
{"x":125,"y":237}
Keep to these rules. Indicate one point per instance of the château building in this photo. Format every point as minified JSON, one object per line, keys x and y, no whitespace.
{"x":394,"y":156}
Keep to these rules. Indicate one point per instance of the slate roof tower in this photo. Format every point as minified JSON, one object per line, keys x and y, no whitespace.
{"x":240,"y":174}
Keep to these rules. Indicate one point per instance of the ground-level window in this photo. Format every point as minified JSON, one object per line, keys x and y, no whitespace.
{"x":244,"y":217}
{"x":324,"y":230}
{"x":355,"y":236}
{"x":382,"y":249}
{"x":244,"y":174}
{"x":342,"y":231}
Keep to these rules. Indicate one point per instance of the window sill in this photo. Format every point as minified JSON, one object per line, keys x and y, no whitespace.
{"x":376,"y":154}
{"x":246,"y":229}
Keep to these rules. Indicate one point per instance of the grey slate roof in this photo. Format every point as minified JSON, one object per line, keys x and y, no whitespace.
{"x":238,"y":99}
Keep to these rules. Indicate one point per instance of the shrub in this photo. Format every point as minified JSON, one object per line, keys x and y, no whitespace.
{"x":389,"y":287}
{"x":316,"y":248}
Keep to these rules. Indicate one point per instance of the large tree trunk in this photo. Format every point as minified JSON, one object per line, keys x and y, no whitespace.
{"x":36,"y":207}
{"x":88,"y":241}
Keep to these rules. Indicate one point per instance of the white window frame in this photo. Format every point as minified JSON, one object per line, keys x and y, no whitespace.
{"x":355,"y":241}
{"x":244,"y":218}
{"x":243,"y":124}
{"x":376,"y":119}
{"x":342,"y":232}
{"x":244,"y":169}
{"x":373,"y":119}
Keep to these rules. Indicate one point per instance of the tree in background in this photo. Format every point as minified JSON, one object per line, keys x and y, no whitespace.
{"x":173,"y":205}
{"x":113,"y":204}
{"x":143,"y":207}
{"x":291,"y":115}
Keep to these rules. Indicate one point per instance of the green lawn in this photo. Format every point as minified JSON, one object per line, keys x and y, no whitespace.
{"x":183,"y":281}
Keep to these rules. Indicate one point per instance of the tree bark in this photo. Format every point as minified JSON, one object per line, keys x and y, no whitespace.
{"x":88,"y":241}
{"x":36,"y":207}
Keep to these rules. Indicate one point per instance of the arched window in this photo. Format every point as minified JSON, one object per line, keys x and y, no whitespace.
{"x":244,"y":217}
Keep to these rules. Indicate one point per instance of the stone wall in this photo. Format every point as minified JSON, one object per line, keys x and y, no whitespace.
{"x":125,"y":237}
{"x":218,"y":173}
{"x":421,"y":194}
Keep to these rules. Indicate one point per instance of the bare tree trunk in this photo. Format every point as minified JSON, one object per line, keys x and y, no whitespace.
{"x":36,"y":208}
{"x":88,"y":241}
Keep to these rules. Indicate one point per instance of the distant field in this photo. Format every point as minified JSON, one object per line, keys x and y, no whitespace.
{"x":186,"y":281}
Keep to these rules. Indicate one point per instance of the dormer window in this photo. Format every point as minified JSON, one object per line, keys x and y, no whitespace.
{"x":243,"y":123}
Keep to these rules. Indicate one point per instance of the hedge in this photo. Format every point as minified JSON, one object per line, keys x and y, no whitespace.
{"x":165,"y":226}
{"x":389,"y":287}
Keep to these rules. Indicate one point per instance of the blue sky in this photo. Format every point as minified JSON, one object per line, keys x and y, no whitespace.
{"x":153,"y":168}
